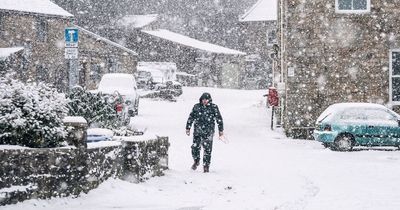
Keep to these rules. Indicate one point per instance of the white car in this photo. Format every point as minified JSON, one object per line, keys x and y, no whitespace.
{"x":125,"y":85}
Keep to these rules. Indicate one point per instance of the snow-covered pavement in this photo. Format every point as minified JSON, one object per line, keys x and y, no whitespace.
{"x":257,"y":169}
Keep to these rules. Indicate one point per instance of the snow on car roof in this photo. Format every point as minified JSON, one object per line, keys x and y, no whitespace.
{"x":356,"y":105}
{"x":100,"y":131}
{"x":118,"y":75}
{"x":34,"y":6}
{"x":335,"y":108}
{"x":123,"y":83}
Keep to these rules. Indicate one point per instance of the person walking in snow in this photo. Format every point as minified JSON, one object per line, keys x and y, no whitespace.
{"x":204,"y":115}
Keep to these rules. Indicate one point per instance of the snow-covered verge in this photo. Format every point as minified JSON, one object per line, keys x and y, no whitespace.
{"x":257,"y":169}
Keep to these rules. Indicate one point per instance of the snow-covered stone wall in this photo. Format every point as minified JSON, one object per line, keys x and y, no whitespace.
{"x":44,"y":173}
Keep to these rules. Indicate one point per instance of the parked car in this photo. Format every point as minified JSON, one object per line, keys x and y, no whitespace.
{"x":123,"y":85}
{"x":144,"y":79}
{"x":170,"y":87}
{"x":99,"y":134}
{"x":345,"y":125}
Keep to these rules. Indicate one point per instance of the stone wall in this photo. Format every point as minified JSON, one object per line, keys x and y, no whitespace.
{"x":45,"y":173}
{"x":335,"y":57}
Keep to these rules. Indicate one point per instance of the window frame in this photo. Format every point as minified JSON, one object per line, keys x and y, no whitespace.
{"x":42,"y":29}
{"x":352,"y":11}
{"x":391,"y":76}
{"x":2,"y":23}
{"x":274,"y":40}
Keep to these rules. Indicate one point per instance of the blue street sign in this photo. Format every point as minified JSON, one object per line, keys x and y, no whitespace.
{"x":71,"y":37}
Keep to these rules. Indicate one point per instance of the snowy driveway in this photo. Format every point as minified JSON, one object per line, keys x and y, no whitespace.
{"x":257,"y":169}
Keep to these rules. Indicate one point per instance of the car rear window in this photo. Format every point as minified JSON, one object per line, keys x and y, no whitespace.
{"x":366,"y":114}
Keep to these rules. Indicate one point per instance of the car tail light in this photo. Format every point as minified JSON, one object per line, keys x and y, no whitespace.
{"x":327,"y":128}
{"x":119,"y":107}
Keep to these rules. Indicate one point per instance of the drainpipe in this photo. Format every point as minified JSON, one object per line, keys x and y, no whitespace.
{"x":283,"y":49}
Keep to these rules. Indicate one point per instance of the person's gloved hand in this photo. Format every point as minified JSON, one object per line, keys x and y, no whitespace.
{"x":188,"y":132}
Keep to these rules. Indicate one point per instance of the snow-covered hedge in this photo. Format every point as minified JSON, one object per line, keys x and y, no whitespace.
{"x":31,"y":115}
{"x":94,"y":107}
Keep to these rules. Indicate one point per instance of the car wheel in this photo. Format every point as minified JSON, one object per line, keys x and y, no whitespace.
{"x":344,"y":142}
{"x":126,"y":121}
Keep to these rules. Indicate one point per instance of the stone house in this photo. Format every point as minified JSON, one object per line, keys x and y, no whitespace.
{"x":258,"y":26}
{"x":336,"y":51}
{"x":38,"y":27}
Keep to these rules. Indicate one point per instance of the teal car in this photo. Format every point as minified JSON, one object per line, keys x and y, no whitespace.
{"x":345,"y":125}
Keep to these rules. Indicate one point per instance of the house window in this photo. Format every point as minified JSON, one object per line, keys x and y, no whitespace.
{"x":271,"y":37}
{"x":95,"y":72}
{"x":395,"y":76}
{"x":42,"y":29}
{"x":42,"y":73}
{"x":113,"y":65}
{"x":353,"y":6}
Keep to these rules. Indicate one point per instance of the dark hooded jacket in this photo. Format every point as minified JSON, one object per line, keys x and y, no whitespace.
{"x":204,"y":117}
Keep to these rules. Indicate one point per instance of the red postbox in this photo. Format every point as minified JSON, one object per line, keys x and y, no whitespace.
{"x":273,"y":98}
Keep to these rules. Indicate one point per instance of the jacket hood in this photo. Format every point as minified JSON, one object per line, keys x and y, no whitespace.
{"x":205,"y":96}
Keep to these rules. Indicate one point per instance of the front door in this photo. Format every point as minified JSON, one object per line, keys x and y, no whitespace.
{"x":230,"y":75}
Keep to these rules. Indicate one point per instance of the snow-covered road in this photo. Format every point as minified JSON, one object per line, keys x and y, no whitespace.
{"x":257,"y":169}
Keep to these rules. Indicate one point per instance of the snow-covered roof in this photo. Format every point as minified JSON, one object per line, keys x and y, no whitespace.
{"x":190,"y":42}
{"x":34,"y":6}
{"x":6,"y":52}
{"x":263,"y":10}
{"x":137,"y":21}
{"x":100,"y":38}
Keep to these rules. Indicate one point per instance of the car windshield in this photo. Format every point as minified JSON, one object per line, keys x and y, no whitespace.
{"x":144,"y":74}
{"x":328,"y":112}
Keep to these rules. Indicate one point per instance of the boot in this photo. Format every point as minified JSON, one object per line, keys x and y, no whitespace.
{"x":206,"y":169}
{"x":195,"y":164}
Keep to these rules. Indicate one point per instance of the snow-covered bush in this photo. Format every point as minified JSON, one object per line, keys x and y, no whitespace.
{"x":31,"y":115}
{"x":94,"y":107}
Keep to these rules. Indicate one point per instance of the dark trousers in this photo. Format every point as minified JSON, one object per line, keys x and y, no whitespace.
{"x":204,"y":141}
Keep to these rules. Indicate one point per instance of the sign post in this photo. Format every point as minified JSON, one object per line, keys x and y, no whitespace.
{"x":71,"y":54}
